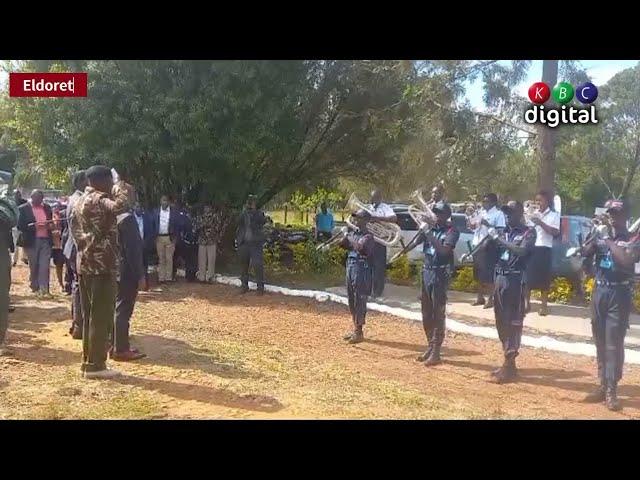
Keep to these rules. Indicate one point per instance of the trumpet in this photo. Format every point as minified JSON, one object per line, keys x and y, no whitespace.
{"x":600,"y":224}
{"x":531,"y":210}
{"x":337,"y":238}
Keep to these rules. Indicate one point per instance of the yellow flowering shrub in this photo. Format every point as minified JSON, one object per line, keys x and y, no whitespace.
{"x":588,"y":288}
{"x":400,"y":270}
{"x":464,"y":281}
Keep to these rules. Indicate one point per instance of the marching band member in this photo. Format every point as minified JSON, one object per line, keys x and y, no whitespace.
{"x":615,"y":255}
{"x":439,"y":243}
{"x":547,"y":226}
{"x":361,"y":246}
{"x":514,"y":251}
{"x":484,"y":260}
{"x":385,"y":213}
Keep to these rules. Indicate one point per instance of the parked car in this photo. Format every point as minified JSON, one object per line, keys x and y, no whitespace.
{"x":409,"y":229}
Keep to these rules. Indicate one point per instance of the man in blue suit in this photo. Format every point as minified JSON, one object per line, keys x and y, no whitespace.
{"x":165,"y":223}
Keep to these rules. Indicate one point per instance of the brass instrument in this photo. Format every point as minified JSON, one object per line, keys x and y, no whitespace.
{"x":384,"y":233}
{"x":492,"y":234}
{"x":599,"y":224}
{"x":421,"y":212}
{"x":531,"y":210}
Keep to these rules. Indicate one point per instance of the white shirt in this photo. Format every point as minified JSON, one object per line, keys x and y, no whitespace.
{"x":551,"y":218}
{"x":382,"y":210}
{"x":496,"y":219}
{"x":164,"y":221}
{"x":140,"y":220}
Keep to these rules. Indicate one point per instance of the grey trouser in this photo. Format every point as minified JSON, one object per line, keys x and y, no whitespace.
{"x":39,"y":255}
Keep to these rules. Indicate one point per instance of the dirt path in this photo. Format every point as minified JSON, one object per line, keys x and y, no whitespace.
{"x":214,"y":354}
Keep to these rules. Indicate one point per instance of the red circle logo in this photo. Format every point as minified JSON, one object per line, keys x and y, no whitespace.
{"x":539,"y":93}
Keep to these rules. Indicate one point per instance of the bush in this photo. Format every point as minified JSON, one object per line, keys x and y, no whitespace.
{"x":400,"y":270}
{"x":464,"y":281}
{"x":272,"y":257}
{"x":588,"y":288}
{"x":307,"y":259}
{"x":561,"y":290}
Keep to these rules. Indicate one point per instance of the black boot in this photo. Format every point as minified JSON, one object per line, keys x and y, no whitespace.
{"x":611,"y":399}
{"x":423,"y":356}
{"x":597,"y":396}
{"x":495,"y":372}
{"x":479,"y":301}
{"x":508,"y":373}
{"x":76,"y":332}
{"x":358,"y":336}
{"x":434,"y":357}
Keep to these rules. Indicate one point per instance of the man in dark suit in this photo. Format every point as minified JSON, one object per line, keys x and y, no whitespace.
{"x":130,"y":275}
{"x":145,"y":229}
{"x":34,"y":223}
{"x":166,"y":229}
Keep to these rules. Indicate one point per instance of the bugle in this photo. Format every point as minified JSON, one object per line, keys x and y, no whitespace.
{"x":492,"y":234}
{"x":337,"y":238}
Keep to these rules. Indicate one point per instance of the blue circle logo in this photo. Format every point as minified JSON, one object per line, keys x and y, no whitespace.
{"x":587,"y":93}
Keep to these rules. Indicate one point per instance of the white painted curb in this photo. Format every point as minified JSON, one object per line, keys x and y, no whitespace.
{"x":549,"y":343}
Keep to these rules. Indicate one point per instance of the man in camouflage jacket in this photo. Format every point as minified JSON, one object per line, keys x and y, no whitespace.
{"x":95,"y":232}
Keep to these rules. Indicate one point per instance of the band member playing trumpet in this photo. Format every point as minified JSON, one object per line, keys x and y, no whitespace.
{"x":547,"y":225}
{"x":385,"y":213}
{"x":361,"y":246}
{"x":615,"y":254}
{"x":514,"y":248}
{"x":485,"y":258}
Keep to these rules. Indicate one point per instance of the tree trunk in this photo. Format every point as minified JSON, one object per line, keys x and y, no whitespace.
{"x":546,"y":135}
{"x":631,"y":172}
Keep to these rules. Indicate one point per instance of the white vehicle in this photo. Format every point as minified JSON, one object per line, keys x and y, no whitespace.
{"x":410,"y":228}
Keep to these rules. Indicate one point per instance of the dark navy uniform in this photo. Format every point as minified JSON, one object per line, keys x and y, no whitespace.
{"x":436,"y":274}
{"x":509,"y":292}
{"x":358,"y":277}
{"x":610,"y":308}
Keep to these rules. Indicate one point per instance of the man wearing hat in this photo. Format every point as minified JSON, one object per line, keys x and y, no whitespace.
{"x":439,"y":242}
{"x":359,"y":278}
{"x":615,"y":254}
{"x":514,"y":246}
{"x":250,"y":240}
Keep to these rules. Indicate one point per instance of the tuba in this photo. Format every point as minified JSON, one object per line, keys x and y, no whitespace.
{"x":385,"y":233}
{"x":421,"y":211}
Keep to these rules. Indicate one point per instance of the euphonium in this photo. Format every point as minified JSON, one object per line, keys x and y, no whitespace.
{"x":421,"y":211}
{"x":385,"y":233}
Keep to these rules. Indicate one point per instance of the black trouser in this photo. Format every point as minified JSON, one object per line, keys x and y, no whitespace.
{"x":125,"y":303}
{"x":178,"y":254}
{"x":5,"y":284}
{"x":190,"y":255}
{"x":98,"y":303}
{"x":251,"y":254}
{"x":358,"y":280}
{"x":379,"y":266}
{"x":508,"y":306}
{"x":610,"y":308}
{"x":435,"y":282}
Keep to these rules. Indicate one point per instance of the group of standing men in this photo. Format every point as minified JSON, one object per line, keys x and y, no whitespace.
{"x":514,"y":258}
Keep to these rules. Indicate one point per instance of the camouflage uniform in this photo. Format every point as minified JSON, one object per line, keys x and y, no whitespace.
{"x":95,"y":232}
{"x":209,"y":228}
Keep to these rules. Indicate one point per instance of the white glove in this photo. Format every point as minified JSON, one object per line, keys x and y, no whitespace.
{"x":493,"y":233}
{"x":115,"y":176}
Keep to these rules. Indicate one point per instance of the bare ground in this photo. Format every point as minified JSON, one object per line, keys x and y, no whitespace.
{"x":214,"y":354}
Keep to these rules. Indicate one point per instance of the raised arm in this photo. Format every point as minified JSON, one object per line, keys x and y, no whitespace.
{"x":120,"y":203}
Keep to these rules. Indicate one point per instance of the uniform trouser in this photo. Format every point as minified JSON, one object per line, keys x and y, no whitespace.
{"x":359,"y":279}
{"x":5,"y":283}
{"x":434,"y":301}
{"x":508,"y":306}
{"x":39,"y":255}
{"x":125,"y":303}
{"x":98,"y":304}
{"x":76,"y":298}
{"x":379,"y":266}
{"x":206,"y":262}
{"x":251,"y":253}
{"x":610,"y":309}
{"x":165,"y":248}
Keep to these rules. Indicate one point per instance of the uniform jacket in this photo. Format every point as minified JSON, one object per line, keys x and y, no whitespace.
{"x":251,"y":225}
{"x":95,"y":231}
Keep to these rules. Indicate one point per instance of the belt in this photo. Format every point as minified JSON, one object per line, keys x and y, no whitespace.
{"x":164,"y":234}
{"x":435,"y":267}
{"x":612,"y":284}
{"x":352,"y":259}
{"x":501,"y":271}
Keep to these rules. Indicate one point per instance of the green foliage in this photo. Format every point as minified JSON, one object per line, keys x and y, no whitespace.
{"x":272,"y":258}
{"x":464,"y":281}
{"x":400,"y":271}
{"x":307,"y":259}
{"x":223,"y":128}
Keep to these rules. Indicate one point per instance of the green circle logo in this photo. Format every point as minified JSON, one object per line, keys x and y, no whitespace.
{"x":563,"y":93}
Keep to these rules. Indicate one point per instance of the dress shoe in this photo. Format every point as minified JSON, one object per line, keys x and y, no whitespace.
{"x":611,"y":400}
{"x":507,"y":373}
{"x":357,"y":337}
{"x":597,"y":396}
{"x":434,"y":357}
{"x":478,"y":302}
{"x":128,"y":356}
{"x":423,"y":356}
